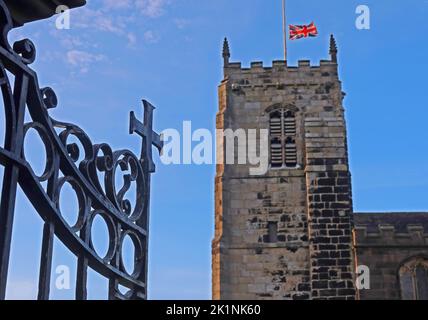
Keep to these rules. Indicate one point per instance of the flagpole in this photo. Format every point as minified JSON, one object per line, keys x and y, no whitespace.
{"x":284,"y":29}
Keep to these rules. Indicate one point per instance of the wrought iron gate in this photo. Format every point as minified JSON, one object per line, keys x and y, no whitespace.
{"x":95,"y":197}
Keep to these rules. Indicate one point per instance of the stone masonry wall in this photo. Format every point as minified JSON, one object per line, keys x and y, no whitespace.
{"x":384,"y":242}
{"x":329,"y":204}
{"x":306,"y":203}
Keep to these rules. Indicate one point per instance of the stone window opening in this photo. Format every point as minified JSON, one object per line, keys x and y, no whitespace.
{"x":283,"y":130}
{"x":273,"y":232}
{"x":290,"y":152}
{"x":413,"y":277}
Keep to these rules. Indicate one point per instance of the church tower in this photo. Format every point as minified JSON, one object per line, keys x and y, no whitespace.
{"x":286,"y":234}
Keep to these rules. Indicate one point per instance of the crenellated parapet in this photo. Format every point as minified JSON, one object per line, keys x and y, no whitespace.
{"x":280,"y":73}
{"x":260,"y":74}
{"x":391,"y":230}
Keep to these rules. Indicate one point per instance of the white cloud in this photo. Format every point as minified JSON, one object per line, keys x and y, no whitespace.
{"x":117,"y":4}
{"x":151,"y":8}
{"x":107,"y":24}
{"x":108,"y":18}
{"x":181,"y":23}
{"x":83,"y":59}
{"x":67,"y":40}
{"x":151,"y":37}
{"x":121,"y":18}
{"x":132,"y":39}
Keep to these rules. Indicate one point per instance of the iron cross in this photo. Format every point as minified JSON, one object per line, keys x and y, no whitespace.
{"x":145,"y":130}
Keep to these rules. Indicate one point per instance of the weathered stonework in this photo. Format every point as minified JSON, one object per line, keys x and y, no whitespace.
{"x":290,"y":234}
{"x":310,"y":205}
{"x":383,"y":243}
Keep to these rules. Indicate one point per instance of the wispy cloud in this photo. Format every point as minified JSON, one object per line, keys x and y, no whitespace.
{"x":117,"y":4}
{"x":151,"y":8}
{"x":132,"y":39}
{"x":148,"y":8}
{"x":151,"y":37}
{"x":83,"y":59}
{"x":81,"y":47}
{"x":118,"y":16}
{"x":181,"y":23}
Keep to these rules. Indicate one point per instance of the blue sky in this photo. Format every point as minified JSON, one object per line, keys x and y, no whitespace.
{"x":169,"y":51}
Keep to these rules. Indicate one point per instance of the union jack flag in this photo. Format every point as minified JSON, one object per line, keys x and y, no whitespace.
{"x":298,"y":32}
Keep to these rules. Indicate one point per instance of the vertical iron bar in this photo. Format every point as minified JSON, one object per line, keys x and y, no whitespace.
{"x":146,"y":223}
{"x":46,"y":261}
{"x":82,"y":279}
{"x":7,"y":208}
{"x":82,"y":275}
{"x":82,"y":265}
{"x":113,"y":284}
{"x":10,"y":181}
{"x":48,"y":240}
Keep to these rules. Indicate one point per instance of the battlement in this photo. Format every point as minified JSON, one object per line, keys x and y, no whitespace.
{"x":391,"y":229}
{"x":279,"y":66}
{"x":304,"y":70}
{"x":279,"y":74}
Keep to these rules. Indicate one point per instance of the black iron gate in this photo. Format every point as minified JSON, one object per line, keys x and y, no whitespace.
{"x":95,"y":197}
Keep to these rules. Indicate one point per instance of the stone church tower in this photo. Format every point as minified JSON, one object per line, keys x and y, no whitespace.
{"x":286,"y":234}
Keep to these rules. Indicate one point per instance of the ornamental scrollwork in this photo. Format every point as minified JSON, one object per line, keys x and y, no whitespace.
{"x":101,"y":178}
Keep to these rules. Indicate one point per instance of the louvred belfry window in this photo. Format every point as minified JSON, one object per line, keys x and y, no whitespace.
{"x":283,"y":149}
{"x":276,"y":149}
{"x":290,"y":152}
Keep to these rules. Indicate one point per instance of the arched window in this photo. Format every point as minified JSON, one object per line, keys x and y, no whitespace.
{"x":414,"y":279}
{"x":283,"y":149}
